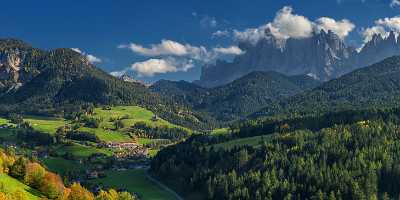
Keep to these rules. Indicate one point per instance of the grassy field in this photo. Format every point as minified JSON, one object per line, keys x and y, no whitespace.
{"x":4,"y":121}
{"x":129,"y":114}
{"x":220,"y":131}
{"x":107,"y":135}
{"x":79,"y":150}
{"x":132,"y":115}
{"x":11,"y":185}
{"x":135,"y":181}
{"x":60,"y":165}
{"x":45,"y":124}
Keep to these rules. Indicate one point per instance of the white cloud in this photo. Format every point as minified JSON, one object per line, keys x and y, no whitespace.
{"x":77,"y":50}
{"x":207,"y":21}
{"x":392,"y":24}
{"x":382,"y":27}
{"x":395,"y":3}
{"x":252,"y":35}
{"x":90,"y":58}
{"x":166,"y":47}
{"x":118,"y":73}
{"x":288,"y":25}
{"x":232,"y":50}
{"x":156,"y":66}
{"x":368,"y":33}
{"x":171,"y":56}
{"x":221,"y":33}
{"x":169,"y":48}
{"x":93,"y":59}
{"x":342,"y":28}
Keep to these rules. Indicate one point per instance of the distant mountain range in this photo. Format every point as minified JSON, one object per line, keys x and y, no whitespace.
{"x":54,"y":82}
{"x":238,"y":98}
{"x":323,"y":56}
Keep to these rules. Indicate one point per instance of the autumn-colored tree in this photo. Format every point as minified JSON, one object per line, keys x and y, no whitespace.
{"x":19,"y":195}
{"x":34,"y":175}
{"x":18,"y":168}
{"x":114,"y":195}
{"x":125,"y":196}
{"x":6,"y":161}
{"x":79,"y":193}
{"x":3,"y":196}
{"x":52,"y":186}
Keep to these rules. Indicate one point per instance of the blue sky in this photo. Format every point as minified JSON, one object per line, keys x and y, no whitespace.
{"x":99,"y":27}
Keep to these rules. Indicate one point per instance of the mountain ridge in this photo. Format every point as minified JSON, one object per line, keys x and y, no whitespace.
{"x":372,"y":86}
{"x":58,"y":81}
{"x":323,"y":56}
{"x":235,"y":100}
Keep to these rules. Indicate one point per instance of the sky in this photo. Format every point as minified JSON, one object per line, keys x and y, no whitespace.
{"x":159,"y":39}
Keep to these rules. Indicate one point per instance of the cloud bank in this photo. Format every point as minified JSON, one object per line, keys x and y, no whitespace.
{"x":171,"y":56}
{"x":395,"y":3}
{"x":286,"y":25}
{"x":382,"y":27}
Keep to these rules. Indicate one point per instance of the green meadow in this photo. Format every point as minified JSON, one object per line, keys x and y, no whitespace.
{"x":45,"y":124}
{"x":135,"y":181}
{"x":79,"y":150}
{"x":61,"y":165}
{"x":11,"y":185}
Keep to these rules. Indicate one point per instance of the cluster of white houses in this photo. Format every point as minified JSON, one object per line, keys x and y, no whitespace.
{"x":127,"y":150}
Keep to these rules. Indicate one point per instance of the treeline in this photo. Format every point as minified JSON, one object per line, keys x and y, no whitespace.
{"x":314,"y":122}
{"x":50,"y":185}
{"x":356,"y":161}
{"x":141,"y":129}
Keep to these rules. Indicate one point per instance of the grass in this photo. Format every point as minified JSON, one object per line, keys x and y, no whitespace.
{"x":130,"y":115}
{"x":11,"y":185}
{"x":133,"y":114}
{"x":220,"y":131}
{"x":153,"y":152}
{"x":137,"y":182}
{"x":251,"y":141}
{"x":45,"y":124}
{"x":4,"y":121}
{"x":145,"y":141}
{"x":107,"y":135}
{"x":61,"y":165}
{"x":80,"y":151}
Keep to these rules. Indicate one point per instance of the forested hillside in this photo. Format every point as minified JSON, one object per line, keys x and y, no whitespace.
{"x":376,"y":86}
{"x":58,"y":81}
{"x":358,"y":160}
{"x":239,"y":98}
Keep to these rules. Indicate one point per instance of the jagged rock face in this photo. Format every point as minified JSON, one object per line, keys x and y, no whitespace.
{"x":323,"y":56}
{"x":12,"y":71}
{"x":20,"y":63}
{"x":377,"y":49}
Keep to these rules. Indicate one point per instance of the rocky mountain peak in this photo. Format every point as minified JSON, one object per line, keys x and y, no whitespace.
{"x":318,"y":56}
